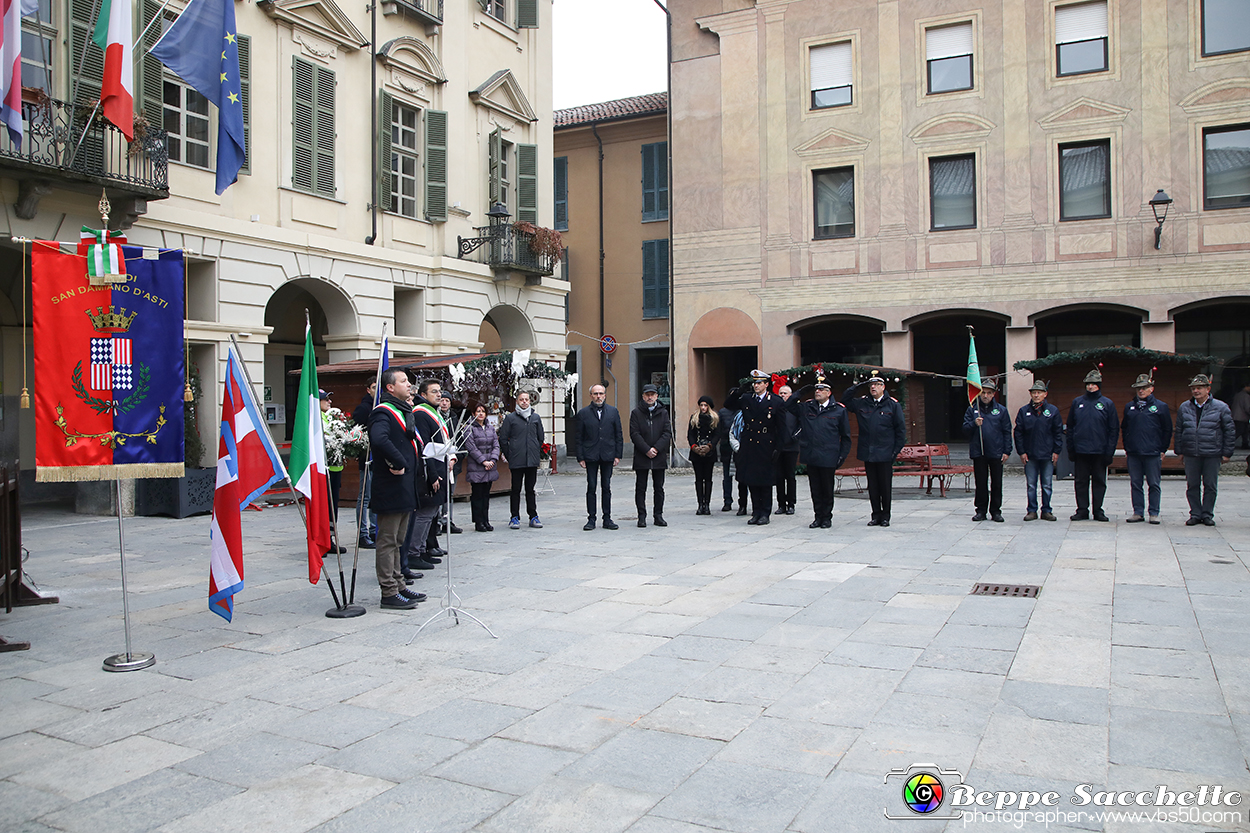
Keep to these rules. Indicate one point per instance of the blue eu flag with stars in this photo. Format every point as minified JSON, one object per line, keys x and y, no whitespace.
{"x":202,"y":48}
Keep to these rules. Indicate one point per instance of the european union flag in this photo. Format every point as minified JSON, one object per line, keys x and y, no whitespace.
{"x":202,"y":49}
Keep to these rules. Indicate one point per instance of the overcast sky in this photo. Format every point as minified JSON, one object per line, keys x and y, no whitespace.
{"x":607,"y":49}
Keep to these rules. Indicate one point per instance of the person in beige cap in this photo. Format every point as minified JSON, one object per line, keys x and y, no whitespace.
{"x":1204,"y":438}
{"x":1147,"y":432}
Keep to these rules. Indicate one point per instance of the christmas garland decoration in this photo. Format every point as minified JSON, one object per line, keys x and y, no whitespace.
{"x":493,"y":375}
{"x":1142,"y":354}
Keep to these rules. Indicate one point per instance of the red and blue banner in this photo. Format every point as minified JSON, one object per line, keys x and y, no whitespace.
{"x":109,"y":371}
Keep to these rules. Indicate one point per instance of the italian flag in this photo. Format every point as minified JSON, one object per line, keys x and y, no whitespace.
{"x":308,"y":460}
{"x":113,"y":33}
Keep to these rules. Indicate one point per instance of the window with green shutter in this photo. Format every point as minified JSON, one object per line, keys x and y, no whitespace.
{"x":313,"y":168}
{"x":386,"y":108}
{"x":85,"y":71}
{"x":527,"y":14}
{"x":655,"y":182}
{"x":494,"y":165}
{"x":436,"y":166}
{"x":655,"y":279}
{"x":245,"y":95}
{"x":151,"y":72}
{"x":527,"y":183}
{"x":560,"y":179}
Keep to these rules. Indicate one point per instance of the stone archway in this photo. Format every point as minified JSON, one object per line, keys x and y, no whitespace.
{"x":512,"y":327}
{"x":724,"y":346}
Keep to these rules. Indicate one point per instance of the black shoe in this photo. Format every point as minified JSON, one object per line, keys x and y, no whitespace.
{"x":1208,"y":521}
{"x":658,"y":520}
{"x":642,"y":523}
{"x":754,"y":520}
{"x":826,"y":524}
{"x":420,"y":564}
{"x":874,"y":522}
{"x":1193,"y":521}
{"x":455,"y":530}
{"x":366,"y":544}
{"x":478,"y":528}
{"x":980,"y":516}
{"x":486,"y":527}
{"x":742,"y":510}
{"x":728,"y":507}
{"x":437,"y":552}
{"x":398,"y":602}
{"x":1101,"y":516}
{"x":814,"y":524}
{"x":409,"y":578}
{"x":763,"y":521}
{"x":589,"y":526}
{"x":885,"y":523}
{"x":1079,"y":516}
{"x":433,"y":559}
{"x":413,"y":594}
{"x":608,"y":523}
{"x":789,"y":510}
{"x":997,"y":517}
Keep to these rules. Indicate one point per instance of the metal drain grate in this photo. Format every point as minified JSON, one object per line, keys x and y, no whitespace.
{"x":1019,"y":590}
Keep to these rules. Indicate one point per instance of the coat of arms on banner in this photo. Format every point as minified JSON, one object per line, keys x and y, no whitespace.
{"x":109,"y":369}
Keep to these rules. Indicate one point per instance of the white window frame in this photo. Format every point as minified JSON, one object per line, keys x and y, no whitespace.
{"x":396,"y":197}
{"x":947,"y":42}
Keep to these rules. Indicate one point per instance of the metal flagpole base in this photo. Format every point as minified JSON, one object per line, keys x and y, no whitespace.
{"x":345,"y":612}
{"x":449,"y":605}
{"x":130,"y":661}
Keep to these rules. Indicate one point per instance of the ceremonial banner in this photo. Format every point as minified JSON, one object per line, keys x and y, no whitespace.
{"x":109,"y":372}
{"x":973,"y":378}
{"x":308,"y":461}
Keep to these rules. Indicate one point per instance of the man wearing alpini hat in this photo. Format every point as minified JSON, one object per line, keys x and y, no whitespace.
{"x":988,"y":427}
{"x":1093,"y":430}
{"x":1204,"y":437}
{"x":1039,"y":439}
{"x":1147,"y":429}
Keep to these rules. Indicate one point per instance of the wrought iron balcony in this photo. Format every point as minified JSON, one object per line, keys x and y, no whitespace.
{"x":427,"y":11}
{"x":505,"y":248}
{"x":66,"y":144}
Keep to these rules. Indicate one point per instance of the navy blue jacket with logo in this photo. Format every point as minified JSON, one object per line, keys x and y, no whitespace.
{"x":995,"y":429}
{"x":1039,"y":431}
{"x":1093,"y":425}
{"x":1147,"y":426}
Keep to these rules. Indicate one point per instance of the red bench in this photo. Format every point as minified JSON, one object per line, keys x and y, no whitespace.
{"x":929,"y":462}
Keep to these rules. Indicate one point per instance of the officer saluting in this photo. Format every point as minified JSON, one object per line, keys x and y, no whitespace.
{"x":762,"y":425}
{"x":882,"y":435}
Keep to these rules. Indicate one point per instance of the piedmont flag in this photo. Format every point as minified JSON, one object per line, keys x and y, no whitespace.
{"x":113,"y":34}
{"x":308,"y":461}
{"x":247,"y":465}
{"x":11,"y":70}
{"x":201,"y":47}
{"x":974,"y":369}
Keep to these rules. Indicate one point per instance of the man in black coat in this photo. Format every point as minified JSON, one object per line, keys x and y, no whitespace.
{"x":597,"y":444}
{"x":397,"y":468}
{"x":651,"y":432}
{"x":825,"y":440}
{"x":787,"y":456}
{"x":762,"y":424}
{"x":1147,"y":430}
{"x":1093,"y":428}
{"x":882,"y":435}
{"x":987,"y":425}
{"x":724,"y":450}
{"x":366,"y":520}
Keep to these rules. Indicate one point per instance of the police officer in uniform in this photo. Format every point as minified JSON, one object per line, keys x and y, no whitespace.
{"x":988,"y":426}
{"x":762,"y":425}
{"x":882,"y":435}
{"x":1093,"y":430}
{"x":1147,"y":428}
{"x":825,"y":437}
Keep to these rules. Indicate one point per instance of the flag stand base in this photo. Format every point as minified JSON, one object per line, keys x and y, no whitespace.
{"x":345,"y":612}
{"x":129,"y":661}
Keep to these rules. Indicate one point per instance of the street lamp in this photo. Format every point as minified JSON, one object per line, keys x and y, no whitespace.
{"x":1160,"y":201}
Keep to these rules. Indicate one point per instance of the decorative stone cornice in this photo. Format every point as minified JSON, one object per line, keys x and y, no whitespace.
{"x":322,"y":18}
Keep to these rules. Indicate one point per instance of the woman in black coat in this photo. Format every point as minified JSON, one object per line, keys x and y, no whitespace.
{"x":482,"y":443}
{"x":703,"y":436}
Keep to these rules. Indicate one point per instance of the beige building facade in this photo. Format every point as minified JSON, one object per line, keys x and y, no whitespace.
{"x":859,"y":181}
{"x":453,"y":100}
{"x":612,"y":202}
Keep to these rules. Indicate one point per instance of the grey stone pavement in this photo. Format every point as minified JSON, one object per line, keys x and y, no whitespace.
{"x":707,"y":676}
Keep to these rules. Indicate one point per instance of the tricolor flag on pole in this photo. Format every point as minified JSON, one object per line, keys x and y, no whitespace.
{"x":974,"y":369}
{"x":11,"y":70}
{"x":247,"y":465}
{"x":308,"y":460}
{"x":114,"y":33}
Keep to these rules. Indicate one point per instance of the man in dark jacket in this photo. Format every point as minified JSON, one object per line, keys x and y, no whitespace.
{"x":1205,"y":438}
{"x":725,"y":452}
{"x":882,"y":435}
{"x":651,"y":432}
{"x":1039,"y":440}
{"x":1093,"y":430}
{"x":597,"y":444}
{"x":988,"y":427}
{"x":1147,"y":430}
{"x":366,"y":520}
{"x":521,"y":446}
{"x":396,"y":471}
{"x":787,"y":456}
{"x":762,"y":424}
{"x":825,"y":440}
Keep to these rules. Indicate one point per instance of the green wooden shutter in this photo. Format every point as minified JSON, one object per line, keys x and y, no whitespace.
{"x":527,"y":14}
{"x":436,"y":166}
{"x":303,"y":115}
{"x":661,"y":181}
{"x":661,"y":277}
{"x":648,"y":182}
{"x":152,"y":73}
{"x":495,"y":151}
{"x":649,"y":305}
{"x":386,"y":115}
{"x":88,"y":75}
{"x":245,"y":96}
{"x":527,"y":183}
{"x":325,"y":131}
{"x":560,"y":181}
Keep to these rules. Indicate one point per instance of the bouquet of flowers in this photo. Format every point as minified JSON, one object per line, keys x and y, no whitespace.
{"x":334,"y":423}
{"x":356,"y":441}
{"x":546,"y":450}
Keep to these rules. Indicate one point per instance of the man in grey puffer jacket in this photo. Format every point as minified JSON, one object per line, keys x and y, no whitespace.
{"x":1205,"y":439}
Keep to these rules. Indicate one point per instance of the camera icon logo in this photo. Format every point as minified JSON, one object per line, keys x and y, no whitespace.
{"x":922,"y":793}
{"x":923,"y":789}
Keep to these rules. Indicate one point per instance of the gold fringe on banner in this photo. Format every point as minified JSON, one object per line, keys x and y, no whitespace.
{"x":125,"y":471}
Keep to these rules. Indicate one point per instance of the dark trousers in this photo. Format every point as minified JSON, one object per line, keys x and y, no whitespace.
{"x":640,"y":492}
{"x":1242,"y":434}
{"x":786,"y":486}
{"x":528,"y":476}
{"x":727,"y":482}
{"x":1147,"y":467}
{"x":479,"y":502}
{"x":880,"y":488}
{"x":761,"y":501}
{"x":600,"y":470}
{"x":1090,"y":473}
{"x":820,"y":481}
{"x":418,"y":530}
{"x":1201,"y":475}
{"x":703,"y":468}
{"x":988,"y":473}
{"x":742,"y":496}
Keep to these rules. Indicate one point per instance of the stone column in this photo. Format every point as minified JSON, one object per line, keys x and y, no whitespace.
{"x":1159,"y":335}
{"x":896,"y":349}
{"x":1021,"y":347}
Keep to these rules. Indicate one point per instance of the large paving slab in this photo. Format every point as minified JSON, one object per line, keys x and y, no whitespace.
{"x":707,"y":676}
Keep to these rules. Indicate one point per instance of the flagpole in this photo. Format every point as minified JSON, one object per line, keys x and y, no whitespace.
{"x":131,"y":660}
{"x":151,"y":23}
{"x":362,"y":518}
